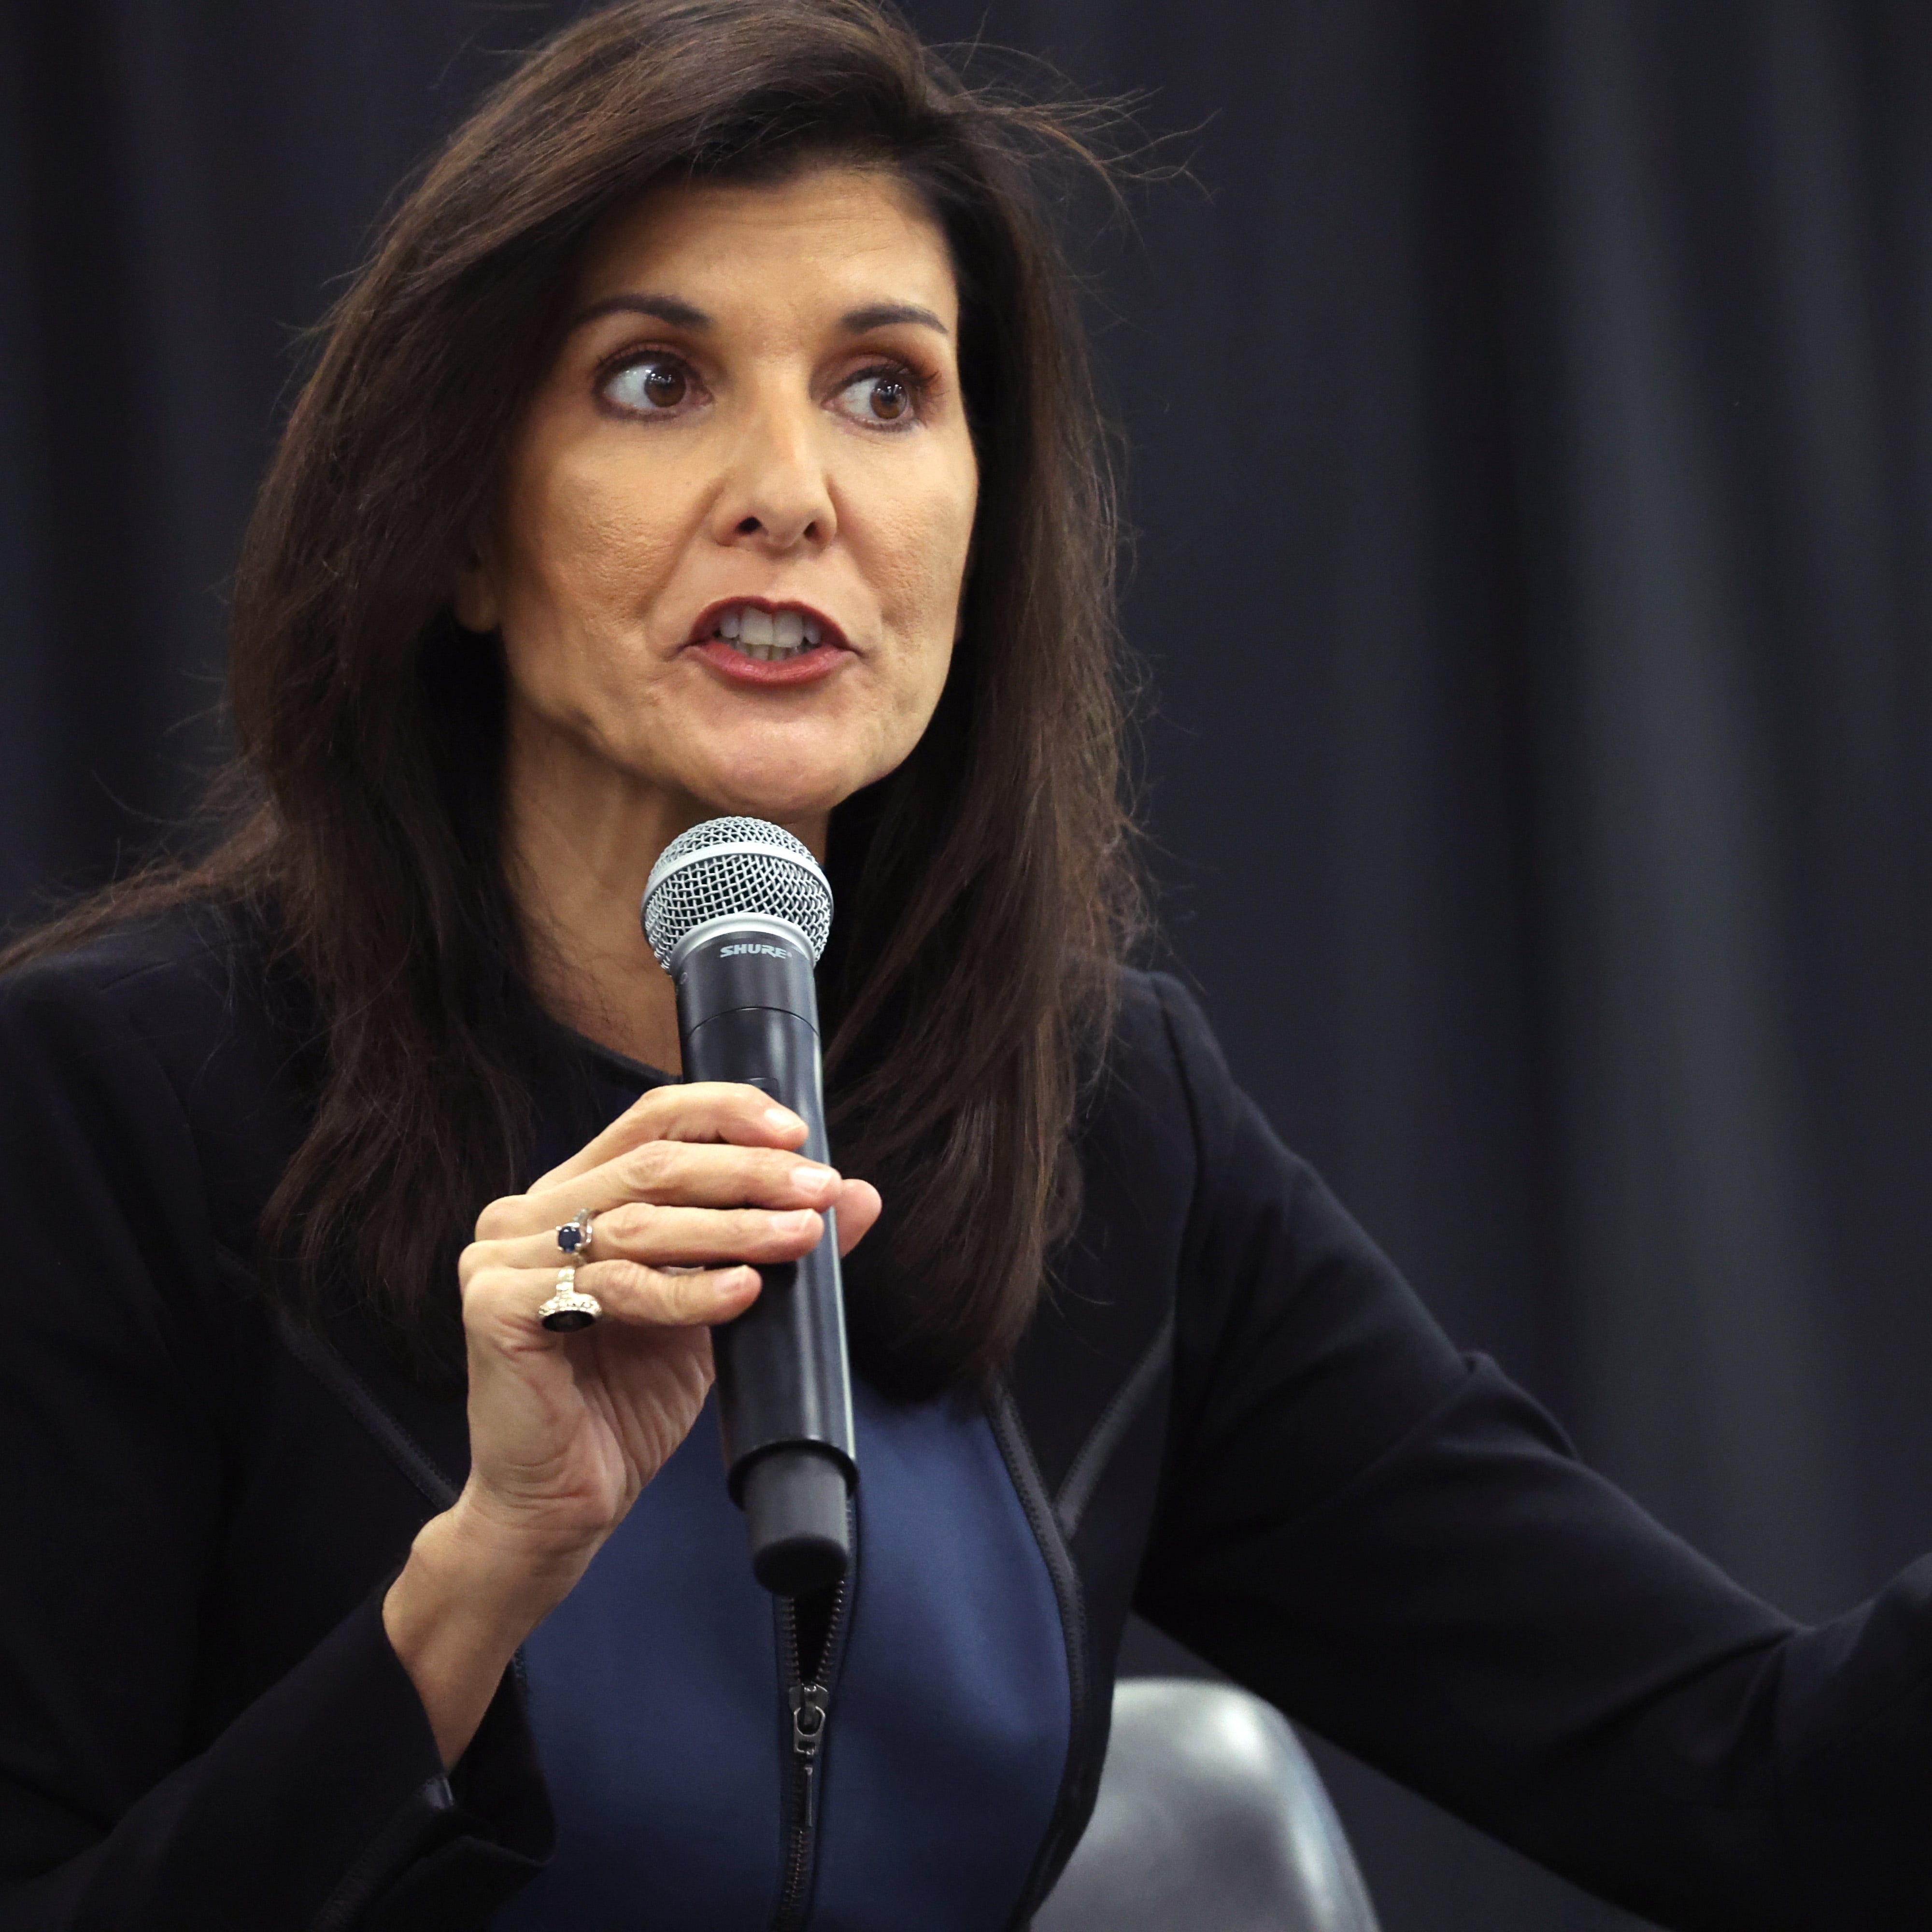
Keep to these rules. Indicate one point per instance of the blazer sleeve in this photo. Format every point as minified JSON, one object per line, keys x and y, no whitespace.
{"x":323,"y":1804}
{"x":1398,"y":1547}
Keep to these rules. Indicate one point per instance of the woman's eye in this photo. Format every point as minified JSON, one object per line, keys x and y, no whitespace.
{"x":649,"y":388}
{"x":879,"y":396}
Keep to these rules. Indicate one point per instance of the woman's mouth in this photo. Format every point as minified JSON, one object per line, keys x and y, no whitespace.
{"x":755,"y":643}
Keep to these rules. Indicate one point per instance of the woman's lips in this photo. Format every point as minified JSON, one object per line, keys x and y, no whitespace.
{"x":807,"y":668}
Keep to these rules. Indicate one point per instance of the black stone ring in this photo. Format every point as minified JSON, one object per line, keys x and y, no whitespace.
{"x":573,"y":1238}
{"x":567,"y":1308}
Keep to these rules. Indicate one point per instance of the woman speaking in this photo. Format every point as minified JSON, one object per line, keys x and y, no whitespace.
{"x":711,"y":433}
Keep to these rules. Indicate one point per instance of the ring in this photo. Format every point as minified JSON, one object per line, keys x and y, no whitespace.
{"x":566,"y":1309}
{"x":573,"y":1238}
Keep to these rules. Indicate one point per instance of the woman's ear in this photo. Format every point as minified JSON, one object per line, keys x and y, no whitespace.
{"x":475,"y":604}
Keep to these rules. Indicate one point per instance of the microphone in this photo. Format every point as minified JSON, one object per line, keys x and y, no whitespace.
{"x":738,"y":912}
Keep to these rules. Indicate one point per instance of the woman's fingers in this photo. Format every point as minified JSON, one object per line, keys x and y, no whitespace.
{"x":631,"y":1292}
{"x":506,"y":1299}
{"x":675,"y":1237}
{"x":660,"y":1236}
{"x":858,"y":1205}
{"x":689,"y":1176}
{"x":707,"y":1110}
{"x":664,"y":1172}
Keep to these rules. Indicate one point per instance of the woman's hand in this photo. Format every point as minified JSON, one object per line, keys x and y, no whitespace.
{"x":566,"y":1429}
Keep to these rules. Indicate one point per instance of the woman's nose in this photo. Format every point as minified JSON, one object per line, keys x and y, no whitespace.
{"x":776,"y":492}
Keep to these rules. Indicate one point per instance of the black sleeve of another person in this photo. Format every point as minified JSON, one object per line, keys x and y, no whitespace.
{"x":116,"y":1812}
{"x":1399,"y":1548}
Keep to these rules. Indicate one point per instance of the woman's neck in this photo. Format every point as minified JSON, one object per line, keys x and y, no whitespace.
{"x":578,"y":856}
{"x":580,"y":837}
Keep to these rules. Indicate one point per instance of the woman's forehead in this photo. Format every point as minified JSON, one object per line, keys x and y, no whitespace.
{"x":854,"y":235}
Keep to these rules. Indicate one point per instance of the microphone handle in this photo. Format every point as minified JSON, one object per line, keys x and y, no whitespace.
{"x":748,"y":1010}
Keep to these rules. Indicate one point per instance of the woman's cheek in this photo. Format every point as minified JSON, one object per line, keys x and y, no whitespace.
{"x":926,"y":550}
{"x":917,"y":698}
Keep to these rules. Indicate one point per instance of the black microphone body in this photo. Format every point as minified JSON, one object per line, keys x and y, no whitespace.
{"x":748,"y":1010}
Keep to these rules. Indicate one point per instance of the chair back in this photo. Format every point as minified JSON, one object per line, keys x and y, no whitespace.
{"x":1211,"y":1818}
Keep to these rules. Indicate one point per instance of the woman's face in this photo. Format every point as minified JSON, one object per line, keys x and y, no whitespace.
{"x":728,"y":561}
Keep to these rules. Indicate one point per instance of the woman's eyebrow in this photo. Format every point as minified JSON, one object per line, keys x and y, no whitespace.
{"x":666,"y":308}
{"x":678,"y":314}
{"x":882,"y":315}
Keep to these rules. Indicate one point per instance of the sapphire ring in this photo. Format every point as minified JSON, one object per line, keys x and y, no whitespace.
{"x":573,"y":1238}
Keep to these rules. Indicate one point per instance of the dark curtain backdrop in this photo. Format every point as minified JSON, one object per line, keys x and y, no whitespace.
{"x":1530,"y":408}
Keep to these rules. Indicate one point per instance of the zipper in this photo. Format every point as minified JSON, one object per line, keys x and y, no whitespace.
{"x":808,"y":1712}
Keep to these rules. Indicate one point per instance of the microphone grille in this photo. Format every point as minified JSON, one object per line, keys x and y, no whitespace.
{"x":735,"y":866}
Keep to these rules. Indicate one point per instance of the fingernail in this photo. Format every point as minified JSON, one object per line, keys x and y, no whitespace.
{"x":780,"y":1117}
{"x":795,"y":1223}
{"x":817,"y":1178}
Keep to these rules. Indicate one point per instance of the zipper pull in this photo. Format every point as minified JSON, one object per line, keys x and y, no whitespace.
{"x":808,"y":1731}
{"x":808,"y":1718}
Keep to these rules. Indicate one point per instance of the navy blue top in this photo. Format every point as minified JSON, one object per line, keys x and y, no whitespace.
{"x":657,"y":1696}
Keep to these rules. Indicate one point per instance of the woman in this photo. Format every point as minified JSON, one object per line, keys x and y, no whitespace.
{"x":711,"y":433}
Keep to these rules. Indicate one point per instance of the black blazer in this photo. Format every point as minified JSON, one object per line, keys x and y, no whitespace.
{"x":1231,"y":1414}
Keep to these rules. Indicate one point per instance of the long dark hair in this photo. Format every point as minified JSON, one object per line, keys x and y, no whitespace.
{"x":984,"y":887}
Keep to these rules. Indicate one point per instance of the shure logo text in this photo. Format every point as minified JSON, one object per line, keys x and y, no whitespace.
{"x":769,"y":952}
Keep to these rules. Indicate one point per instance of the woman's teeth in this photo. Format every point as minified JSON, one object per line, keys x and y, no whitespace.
{"x":769,"y":636}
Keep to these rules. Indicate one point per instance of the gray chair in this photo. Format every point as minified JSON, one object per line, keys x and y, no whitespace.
{"x":1211,"y":1818}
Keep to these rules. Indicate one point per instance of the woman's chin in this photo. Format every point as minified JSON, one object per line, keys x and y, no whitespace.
{"x":787,"y":789}
{"x":784,"y":801}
